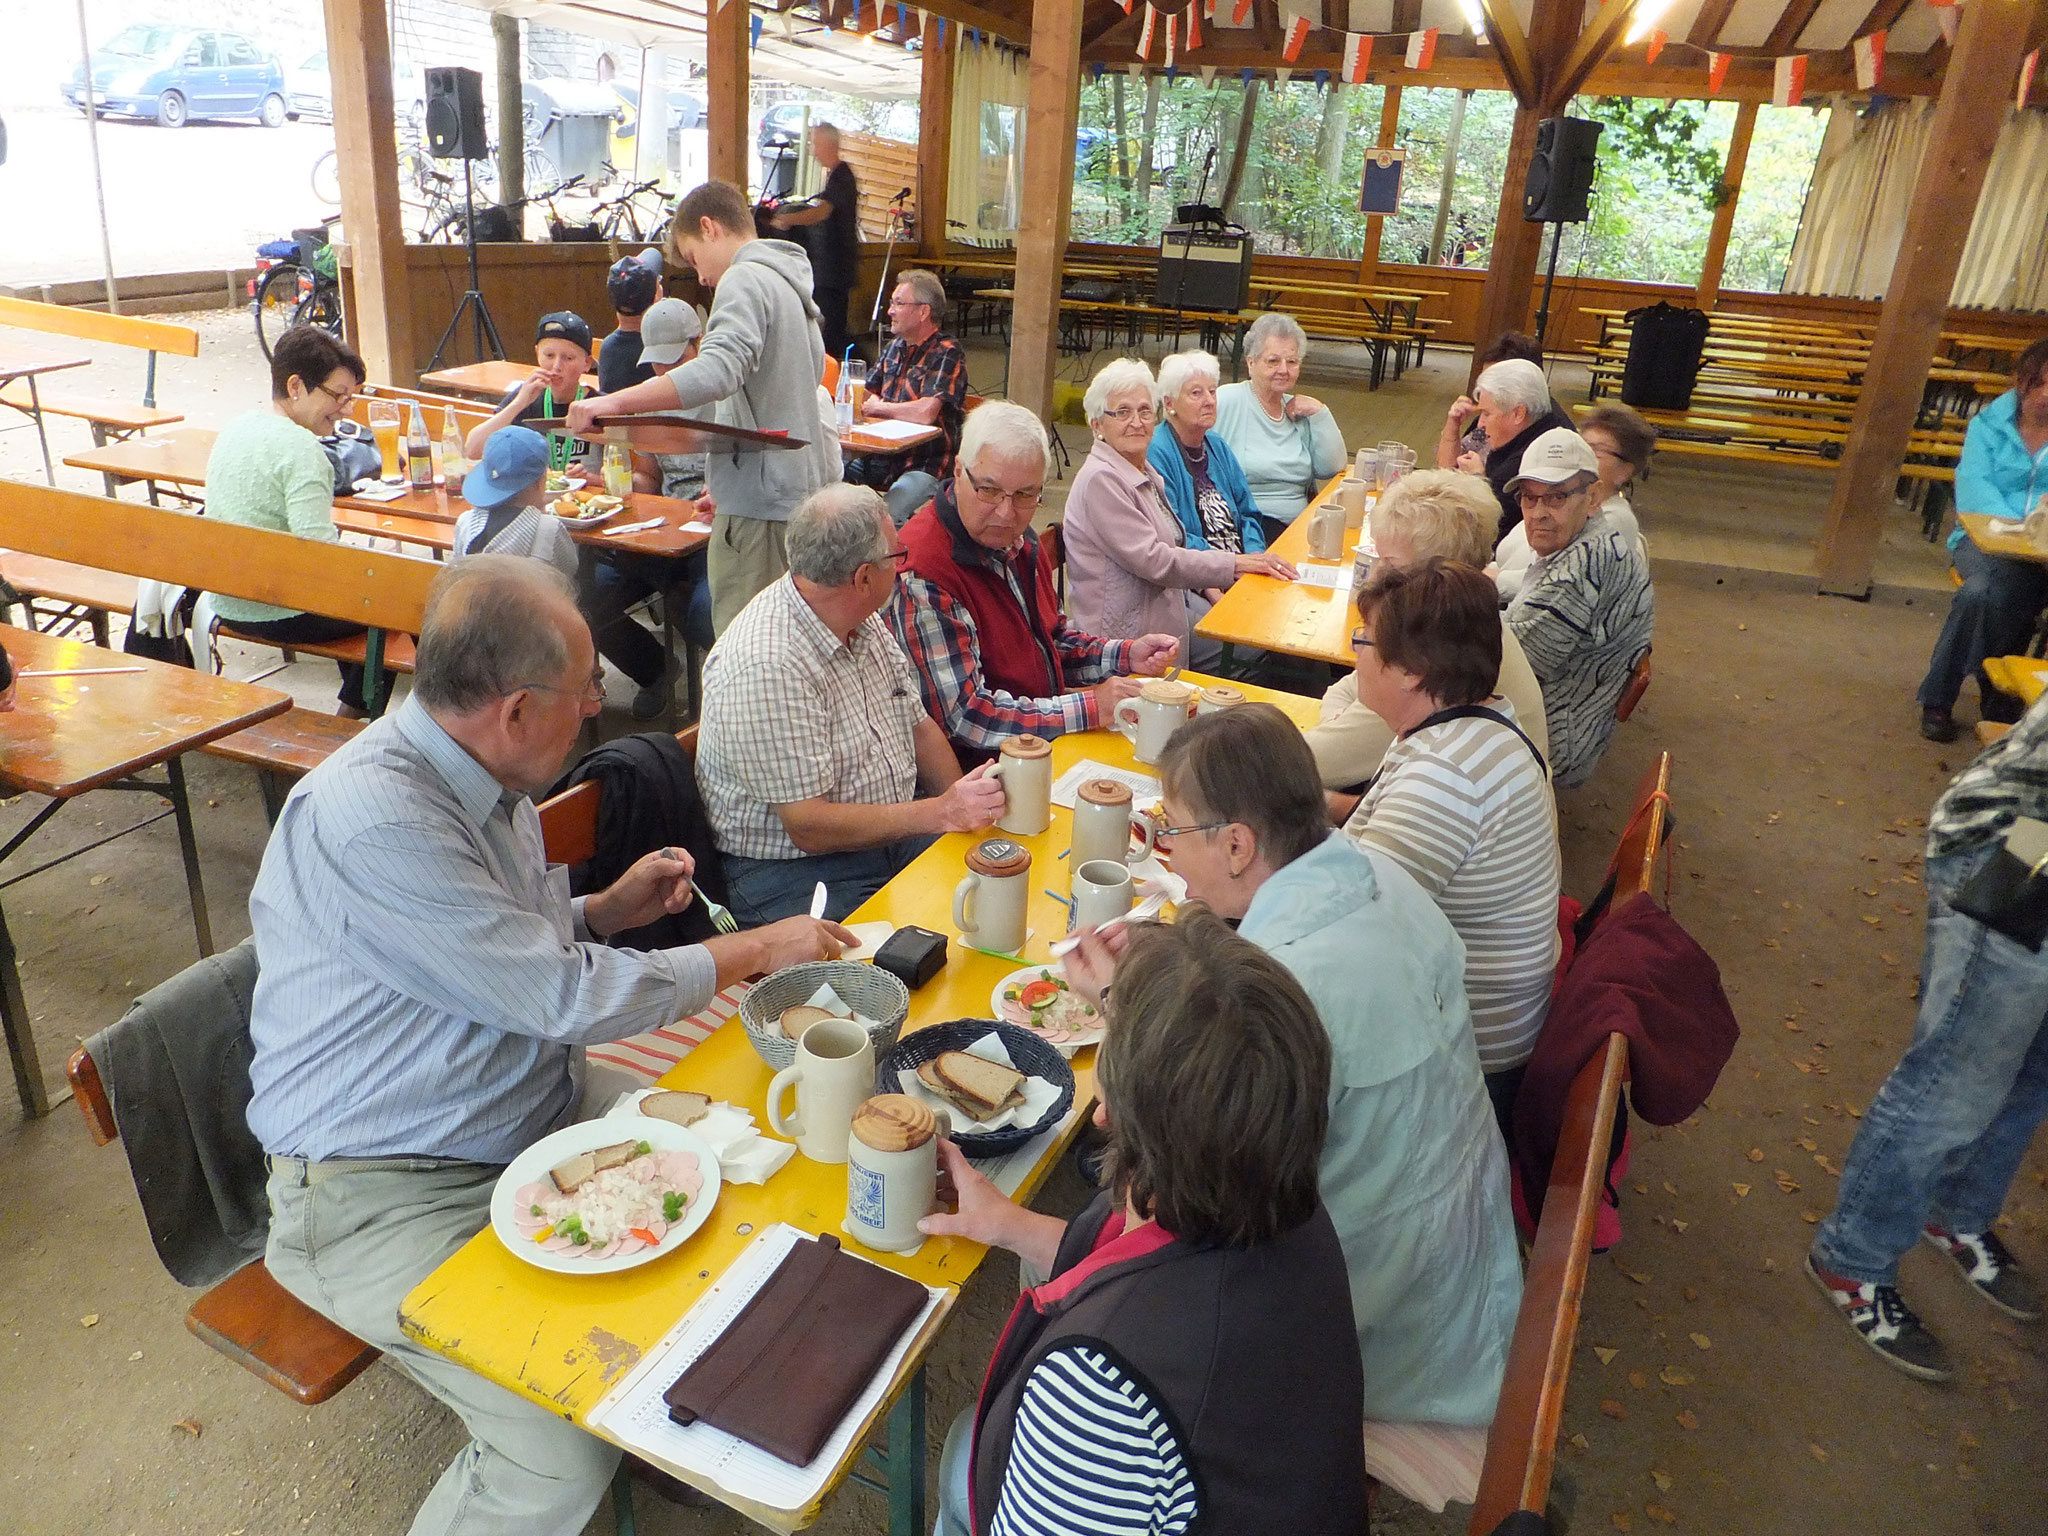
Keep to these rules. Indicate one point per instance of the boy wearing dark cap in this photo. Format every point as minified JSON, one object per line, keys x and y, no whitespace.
{"x":635,"y":286}
{"x":561,"y":348}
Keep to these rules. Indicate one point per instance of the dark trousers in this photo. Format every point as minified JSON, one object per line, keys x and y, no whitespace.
{"x":832,"y":319}
{"x":613,"y":583}
{"x":1992,"y":614}
{"x":316,"y":629}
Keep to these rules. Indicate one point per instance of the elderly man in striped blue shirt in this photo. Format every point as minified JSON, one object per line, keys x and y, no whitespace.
{"x":427,"y":986}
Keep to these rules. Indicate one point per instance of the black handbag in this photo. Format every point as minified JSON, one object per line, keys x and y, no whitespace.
{"x":353,"y":455}
{"x":2008,"y":893}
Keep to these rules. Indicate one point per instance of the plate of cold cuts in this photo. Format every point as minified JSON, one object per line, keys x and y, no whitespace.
{"x":605,"y":1195}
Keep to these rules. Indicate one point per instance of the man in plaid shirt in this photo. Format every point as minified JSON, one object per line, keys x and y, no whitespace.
{"x":922,"y":378}
{"x":977,"y":614}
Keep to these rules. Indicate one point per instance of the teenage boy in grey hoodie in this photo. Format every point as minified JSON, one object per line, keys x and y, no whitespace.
{"x":760,"y":360}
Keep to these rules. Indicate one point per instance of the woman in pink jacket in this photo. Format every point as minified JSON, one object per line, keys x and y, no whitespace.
{"x":1129,"y":570}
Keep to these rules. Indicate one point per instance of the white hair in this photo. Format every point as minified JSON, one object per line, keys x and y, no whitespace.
{"x":1118,"y":376}
{"x":1007,"y":431}
{"x":1271,"y":326}
{"x":1177,"y":370}
{"x":1445,"y":514}
{"x":1514,"y":382}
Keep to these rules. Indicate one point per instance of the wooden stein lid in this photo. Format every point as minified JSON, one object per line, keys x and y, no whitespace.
{"x":1223,"y":696}
{"x":1105,"y":792}
{"x":1160,"y":691}
{"x":1027,"y":746}
{"x":894,"y":1122}
{"x":999,"y":857}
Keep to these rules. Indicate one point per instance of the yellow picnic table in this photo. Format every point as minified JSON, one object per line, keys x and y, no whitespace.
{"x":564,"y":1341}
{"x":2024,"y":677}
{"x":2001,"y":536}
{"x":1290,"y":616}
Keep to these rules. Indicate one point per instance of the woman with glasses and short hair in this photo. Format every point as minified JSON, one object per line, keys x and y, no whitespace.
{"x":1288,"y":444}
{"x":1130,"y":568}
{"x":268,"y":470}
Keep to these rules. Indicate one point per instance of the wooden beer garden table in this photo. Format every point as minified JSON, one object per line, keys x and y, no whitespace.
{"x":19,"y":362}
{"x":492,"y":379}
{"x":1290,"y":616}
{"x":170,"y":458}
{"x":859,"y":441}
{"x":563,"y":1341}
{"x":68,"y":735}
{"x":414,"y":518}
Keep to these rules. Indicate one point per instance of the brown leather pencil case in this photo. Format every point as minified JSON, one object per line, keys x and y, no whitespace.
{"x":788,"y":1368}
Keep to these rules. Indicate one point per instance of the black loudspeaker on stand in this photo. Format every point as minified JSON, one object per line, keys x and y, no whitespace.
{"x":455,"y":130}
{"x":1555,"y":191}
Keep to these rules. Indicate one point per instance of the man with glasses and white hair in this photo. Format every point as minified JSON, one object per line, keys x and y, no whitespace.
{"x":1512,"y":401}
{"x":978,"y":614}
{"x":816,"y":742}
{"x":921,"y":379}
{"x":1584,"y":614}
{"x":426,"y":989}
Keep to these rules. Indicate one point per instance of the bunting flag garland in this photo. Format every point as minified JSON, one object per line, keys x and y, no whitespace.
{"x":1194,"y":27}
{"x":1788,"y":80}
{"x":1357,"y":55}
{"x":1655,"y":47}
{"x":1322,"y":80}
{"x":1145,"y":34}
{"x":754,"y":30}
{"x":903,"y":20}
{"x":1422,"y":49}
{"x":2027,"y":76}
{"x":1126,"y":4}
{"x":1172,"y":25}
{"x":1208,"y":74}
{"x":1869,"y":60}
{"x":1242,"y":10}
{"x":1295,"y":35}
{"x":1282,"y":76}
{"x":1717,"y":72}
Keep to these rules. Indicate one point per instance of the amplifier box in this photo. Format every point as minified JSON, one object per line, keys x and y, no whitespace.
{"x":1204,"y":269}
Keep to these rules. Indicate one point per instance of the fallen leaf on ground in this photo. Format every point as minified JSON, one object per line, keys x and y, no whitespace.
{"x":1582,"y":1442}
{"x":1742,"y":1189}
{"x":1661,"y":1478}
{"x":134,"y":1357}
{"x":1687,"y":1419}
{"x":1612,"y":1409}
{"x":99,"y":879}
{"x":1670,"y":1188}
{"x":1816,"y":1452}
{"x":1642,"y":1189}
{"x":191,"y":1427}
{"x":1671,"y":1376}
{"x":1826,"y":1166}
{"x":1679,"y":1226}
{"x":1811,"y":1218}
{"x":1772,"y":944}
{"x":1606,"y":1355}
{"x":1702,"y":1340}
{"x":1756,"y":1154}
{"x":90,"y":1320}
{"x":1807,"y":1144}
{"x":1770,"y":1266}
{"x":1854,"y":1112}
{"x":1660,"y":1514}
{"x":1784,"y":1180}
{"x":1622,"y":1519}
{"x":1795,"y":1026}
{"x":1638,"y":1380}
{"x":1691,"y":1294}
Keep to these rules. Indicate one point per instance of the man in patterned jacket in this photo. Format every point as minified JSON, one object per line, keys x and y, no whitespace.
{"x":1583,"y":615}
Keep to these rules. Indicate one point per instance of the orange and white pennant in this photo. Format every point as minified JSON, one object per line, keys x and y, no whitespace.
{"x":2027,"y":76}
{"x":1126,"y":4}
{"x":1869,"y":53}
{"x":1654,"y":47}
{"x":1295,"y":35}
{"x":1194,"y":27}
{"x":1421,"y":49}
{"x":1145,"y":34}
{"x":1172,"y":26}
{"x":1717,"y":72}
{"x":1357,"y":55}
{"x":1788,"y":80}
{"x":1951,"y":19}
{"x":1241,"y":10}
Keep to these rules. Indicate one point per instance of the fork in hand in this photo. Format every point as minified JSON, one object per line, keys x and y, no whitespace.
{"x":721,"y":919}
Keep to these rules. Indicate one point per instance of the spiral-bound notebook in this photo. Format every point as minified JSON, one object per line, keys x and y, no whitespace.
{"x":635,"y":1415}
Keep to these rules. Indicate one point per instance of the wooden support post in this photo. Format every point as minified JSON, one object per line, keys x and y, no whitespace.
{"x":935,"y":136}
{"x":1390,"y":123}
{"x":511,"y":115}
{"x":1975,"y":92}
{"x":1724,"y":211}
{"x":1052,"y":107}
{"x":725,"y":65}
{"x":366,"y":152}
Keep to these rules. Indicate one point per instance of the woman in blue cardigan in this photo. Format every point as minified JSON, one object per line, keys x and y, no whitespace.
{"x":1205,"y":485}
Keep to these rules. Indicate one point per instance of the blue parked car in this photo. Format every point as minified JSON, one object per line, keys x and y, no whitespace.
{"x":173,"y":74}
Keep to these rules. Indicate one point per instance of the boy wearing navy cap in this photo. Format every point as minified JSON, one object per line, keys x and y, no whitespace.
{"x":561,"y":347}
{"x":634,"y":284}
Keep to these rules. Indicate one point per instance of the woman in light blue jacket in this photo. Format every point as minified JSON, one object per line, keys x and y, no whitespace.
{"x":1287,"y":444}
{"x":2003,"y":473}
{"x":1205,"y":484}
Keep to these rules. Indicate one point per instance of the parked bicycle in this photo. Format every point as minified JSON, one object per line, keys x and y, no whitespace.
{"x":628,"y":216}
{"x":297,"y":282}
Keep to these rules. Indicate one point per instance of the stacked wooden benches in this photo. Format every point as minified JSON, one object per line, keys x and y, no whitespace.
{"x":111,"y":421}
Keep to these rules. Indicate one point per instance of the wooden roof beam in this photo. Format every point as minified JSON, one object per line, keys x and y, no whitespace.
{"x":1591,"y":49}
{"x":1707,"y":25}
{"x":1784,"y":36}
{"x":1002,"y":23}
{"x":1509,"y":41}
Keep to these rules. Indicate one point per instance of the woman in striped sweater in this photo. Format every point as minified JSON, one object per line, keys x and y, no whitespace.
{"x":1462,"y":800}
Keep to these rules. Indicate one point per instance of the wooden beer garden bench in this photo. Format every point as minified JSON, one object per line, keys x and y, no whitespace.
{"x":385,"y":593}
{"x":111,"y":420}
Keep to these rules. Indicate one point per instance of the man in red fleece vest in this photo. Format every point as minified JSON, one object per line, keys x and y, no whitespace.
{"x":977,"y":613}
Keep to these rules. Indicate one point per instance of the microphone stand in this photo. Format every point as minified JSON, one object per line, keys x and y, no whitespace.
{"x":895,"y":228}
{"x":1187,"y":252}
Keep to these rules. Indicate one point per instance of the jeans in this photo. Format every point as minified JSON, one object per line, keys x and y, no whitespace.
{"x":317,"y":629}
{"x":910,"y":492}
{"x":1991,"y":614}
{"x":768,"y":890}
{"x":350,"y":1247}
{"x":956,"y":1469}
{"x":1943,"y":1138}
{"x":618,"y":580}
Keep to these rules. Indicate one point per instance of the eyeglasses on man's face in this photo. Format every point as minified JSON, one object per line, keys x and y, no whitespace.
{"x":1033,"y":497}
{"x":1549,"y":501}
{"x":591,"y":692}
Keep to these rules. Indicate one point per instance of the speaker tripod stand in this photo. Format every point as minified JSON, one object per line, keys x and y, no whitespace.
{"x":472,"y":302}
{"x":1549,"y":277}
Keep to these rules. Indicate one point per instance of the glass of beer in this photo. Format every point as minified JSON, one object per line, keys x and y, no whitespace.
{"x":384,"y":425}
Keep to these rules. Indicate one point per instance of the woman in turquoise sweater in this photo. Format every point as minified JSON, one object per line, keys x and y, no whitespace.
{"x":1205,"y":485}
{"x":1287,"y":444}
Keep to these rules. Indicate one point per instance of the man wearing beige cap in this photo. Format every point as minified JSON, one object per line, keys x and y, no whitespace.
{"x":1583,"y":615}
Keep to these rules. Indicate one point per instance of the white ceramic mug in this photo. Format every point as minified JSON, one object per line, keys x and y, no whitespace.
{"x":1351,"y":493}
{"x":1103,"y":888}
{"x":1218,"y":696}
{"x":833,"y":1072}
{"x":990,"y":905}
{"x":1025,"y":767}
{"x":892,"y":1171}
{"x":1103,"y":825}
{"x":1150,"y":719}
{"x":1326,"y":531}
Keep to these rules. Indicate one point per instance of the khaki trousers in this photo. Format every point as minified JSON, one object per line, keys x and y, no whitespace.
{"x":746,"y":555}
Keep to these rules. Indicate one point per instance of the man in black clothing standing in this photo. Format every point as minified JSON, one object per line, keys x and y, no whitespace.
{"x":835,"y":249}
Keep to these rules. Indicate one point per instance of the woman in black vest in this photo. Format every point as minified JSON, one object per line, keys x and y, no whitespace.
{"x":1192,"y":1360}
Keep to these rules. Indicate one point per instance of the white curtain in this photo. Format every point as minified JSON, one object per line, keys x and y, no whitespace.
{"x":988,"y":142}
{"x":1855,"y":216}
